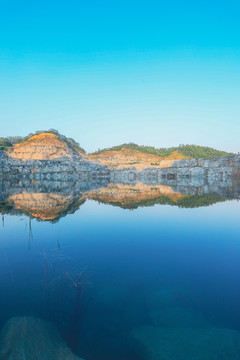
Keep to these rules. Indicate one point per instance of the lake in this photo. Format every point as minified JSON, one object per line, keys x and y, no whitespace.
{"x":125,"y":271}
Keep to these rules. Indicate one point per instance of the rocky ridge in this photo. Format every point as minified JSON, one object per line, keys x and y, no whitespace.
{"x":46,"y":156}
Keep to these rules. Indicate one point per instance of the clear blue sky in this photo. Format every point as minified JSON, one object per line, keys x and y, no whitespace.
{"x":106,"y":72}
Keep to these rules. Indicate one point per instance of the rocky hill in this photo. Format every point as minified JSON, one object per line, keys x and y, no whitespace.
{"x":43,"y":146}
{"x":128,"y":158}
{"x":50,"y":155}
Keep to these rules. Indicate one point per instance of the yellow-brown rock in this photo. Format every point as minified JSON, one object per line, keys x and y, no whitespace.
{"x":127,"y":158}
{"x":44,"y":146}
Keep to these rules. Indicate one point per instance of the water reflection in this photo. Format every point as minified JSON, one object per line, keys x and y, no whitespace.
{"x":156,"y":283}
{"x":50,"y":200}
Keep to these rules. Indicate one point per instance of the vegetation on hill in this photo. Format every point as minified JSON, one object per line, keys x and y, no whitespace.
{"x":5,"y":144}
{"x":192,"y":201}
{"x":8,"y":142}
{"x":193,"y":151}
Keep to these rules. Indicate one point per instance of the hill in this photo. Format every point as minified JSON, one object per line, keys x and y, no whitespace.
{"x":127,"y":157}
{"x":9,"y":142}
{"x":141,"y":157}
{"x":51,"y":145}
{"x":42,"y":146}
{"x":186,"y":151}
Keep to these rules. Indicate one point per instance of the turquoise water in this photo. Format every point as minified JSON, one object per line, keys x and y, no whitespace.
{"x":103,"y":273}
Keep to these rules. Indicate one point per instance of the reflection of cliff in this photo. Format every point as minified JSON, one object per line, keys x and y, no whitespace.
{"x":50,"y":200}
{"x":126,"y":195}
{"x":45,"y":200}
{"x":43,"y":206}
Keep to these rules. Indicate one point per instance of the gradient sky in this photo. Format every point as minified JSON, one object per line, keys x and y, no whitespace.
{"x":104,"y":72}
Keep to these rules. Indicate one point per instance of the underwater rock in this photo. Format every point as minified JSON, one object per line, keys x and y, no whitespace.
{"x":176,"y":316}
{"x":32,"y":339}
{"x":189,"y":343}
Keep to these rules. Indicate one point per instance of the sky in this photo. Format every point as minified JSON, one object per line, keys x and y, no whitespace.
{"x":159,"y":73}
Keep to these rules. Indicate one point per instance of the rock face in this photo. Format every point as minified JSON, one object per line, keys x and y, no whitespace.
{"x":126,"y":158}
{"x":189,"y":343}
{"x":216,"y":169}
{"x":63,"y":168}
{"x":46,"y":156}
{"x":44,"y":146}
{"x":32,"y":339}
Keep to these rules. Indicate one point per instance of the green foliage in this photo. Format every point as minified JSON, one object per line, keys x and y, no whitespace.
{"x":4,"y":144}
{"x":195,"y":201}
{"x":192,"y":201}
{"x":144,"y":149}
{"x":4,"y":148}
{"x":198,"y":152}
{"x":5,"y":207}
{"x":193,"y":151}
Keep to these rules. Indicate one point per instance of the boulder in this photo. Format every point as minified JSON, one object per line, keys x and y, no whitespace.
{"x":29,"y":338}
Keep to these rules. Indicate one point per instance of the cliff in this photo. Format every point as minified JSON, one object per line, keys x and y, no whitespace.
{"x":51,"y":156}
{"x":47,"y":156}
{"x":216,"y":169}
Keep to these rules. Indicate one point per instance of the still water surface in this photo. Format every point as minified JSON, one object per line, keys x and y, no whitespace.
{"x":104,"y":273}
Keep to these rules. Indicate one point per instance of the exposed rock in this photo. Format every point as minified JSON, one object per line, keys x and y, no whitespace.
{"x":43,"y":146}
{"x":189,"y":343}
{"x":62,"y":168}
{"x":48,"y":156}
{"x":29,"y":338}
{"x":188,"y":170}
{"x":126,"y":158}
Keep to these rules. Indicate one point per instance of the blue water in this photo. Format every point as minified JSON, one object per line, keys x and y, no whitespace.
{"x":123,"y":259}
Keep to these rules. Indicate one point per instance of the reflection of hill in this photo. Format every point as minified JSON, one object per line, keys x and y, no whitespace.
{"x":50,"y":200}
{"x":43,"y":206}
{"x":191,"y":201}
{"x":132,"y":196}
{"x":45,"y":200}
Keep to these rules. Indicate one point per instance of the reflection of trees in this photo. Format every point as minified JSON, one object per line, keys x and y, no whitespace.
{"x":30,"y":233}
{"x":190,"y":201}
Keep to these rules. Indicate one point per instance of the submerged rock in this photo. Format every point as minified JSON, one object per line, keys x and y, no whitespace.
{"x":29,"y":338}
{"x":189,"y":343}
{"x":179,"y":317}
